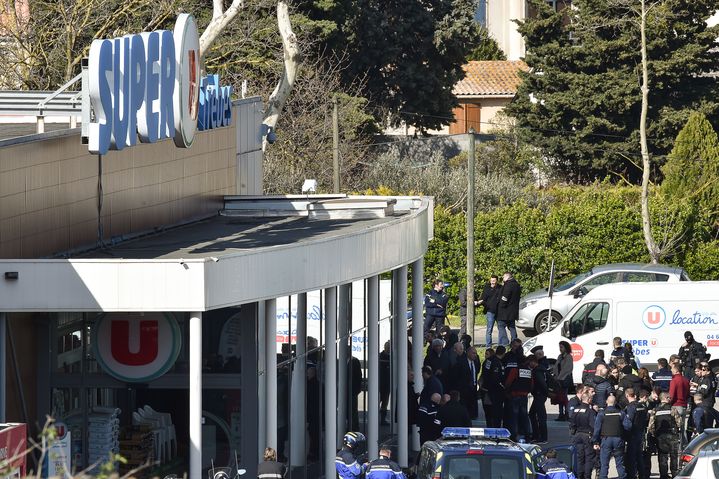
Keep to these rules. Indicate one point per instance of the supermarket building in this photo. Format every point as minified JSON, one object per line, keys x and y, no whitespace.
{"x":139,"y":288}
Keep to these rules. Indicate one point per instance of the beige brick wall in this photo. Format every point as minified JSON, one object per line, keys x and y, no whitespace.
{"x":49,"y":189}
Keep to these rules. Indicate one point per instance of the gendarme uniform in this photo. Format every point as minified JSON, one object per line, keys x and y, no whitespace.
{"x":609,"y":427}
{"x":383,"y":468}
{"x":581,"y":425}
{"x":636,"y":414}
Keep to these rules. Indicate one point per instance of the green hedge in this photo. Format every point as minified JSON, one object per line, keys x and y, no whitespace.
{"x":578,"y":227}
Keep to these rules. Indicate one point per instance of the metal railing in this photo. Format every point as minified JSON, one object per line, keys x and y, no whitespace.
{"x":41,"y":104}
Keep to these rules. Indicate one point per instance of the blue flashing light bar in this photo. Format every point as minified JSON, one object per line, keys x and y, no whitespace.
{"x":486,"y":432}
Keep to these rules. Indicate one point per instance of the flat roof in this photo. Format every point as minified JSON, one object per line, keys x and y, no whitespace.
{"x":222,"y":235}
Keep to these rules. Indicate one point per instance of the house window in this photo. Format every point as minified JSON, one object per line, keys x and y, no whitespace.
{"x":552,"y":4}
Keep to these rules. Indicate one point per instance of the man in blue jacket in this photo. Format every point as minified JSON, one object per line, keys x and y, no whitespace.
{"x":609,"y":429}
{"x":346,"y":463}
{"x":435,"y":306}
{"x":383,"y":467}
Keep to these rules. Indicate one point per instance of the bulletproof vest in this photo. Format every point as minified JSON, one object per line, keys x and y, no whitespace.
{"x":523,"y":383}
{"x":639,"y":424}
{"x":582,"y":418}
{"x":663,"y":421}
{"x":612,"y":424}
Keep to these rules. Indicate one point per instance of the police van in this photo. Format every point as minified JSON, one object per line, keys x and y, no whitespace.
{"x":651,"y":316}
{"x":479,"y":453}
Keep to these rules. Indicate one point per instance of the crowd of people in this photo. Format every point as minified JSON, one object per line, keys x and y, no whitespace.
{"x":619,"y":411}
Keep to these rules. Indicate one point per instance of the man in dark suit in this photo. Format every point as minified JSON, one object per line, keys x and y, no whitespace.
{"x":508,"y":308}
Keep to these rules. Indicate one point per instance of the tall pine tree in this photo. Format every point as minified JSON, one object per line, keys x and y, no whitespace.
{"x":580,"y":103}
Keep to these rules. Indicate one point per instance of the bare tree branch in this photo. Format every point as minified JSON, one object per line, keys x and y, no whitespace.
{"x":218,"y":23}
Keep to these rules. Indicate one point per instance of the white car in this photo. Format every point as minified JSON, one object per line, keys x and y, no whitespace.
{"x":705,"y":465}
{"x":534,"y":307}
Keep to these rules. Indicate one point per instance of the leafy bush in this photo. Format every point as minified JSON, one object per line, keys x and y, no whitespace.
{"x":578,"y":227}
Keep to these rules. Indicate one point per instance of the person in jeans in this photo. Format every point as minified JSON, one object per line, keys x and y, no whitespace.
{"x":490,"y":301}
{"x":508,"y":308}
{"x":679,"y":397}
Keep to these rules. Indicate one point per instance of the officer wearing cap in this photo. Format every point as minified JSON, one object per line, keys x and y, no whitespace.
{"x":608,"y":438}
{"x":383,"y":467}
{"x":346,"y":463}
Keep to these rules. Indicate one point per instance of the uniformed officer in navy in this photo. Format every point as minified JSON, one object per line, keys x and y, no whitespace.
{"x":663,"y":375}
{"x":346,"y":463}
{"x":492,"y":384}
{"x":665,"y":423}
{"x":435,"y":306}
{"x":383,"y":467}
{"x":581,"y":425}
{"x":636,"y":414}
{"x":609,"y":429}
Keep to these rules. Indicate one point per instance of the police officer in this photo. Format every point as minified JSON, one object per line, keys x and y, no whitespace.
{"x":554,"y":468}
{"x":427,"y":419}
{"x":609,"y":427}
{"x":518,"y":385}
{"x":435,"y":306}
{"x":707,"y":388}
{"x":581,"y":425}
{"x":665,"y":423}
{"x":269,"y":468}
{"x":383,"y":467}
{"x":663,"y":375}
{"x":346,"y":463}
{"x":575,"y":401}
{"x":491,"y":384}
{"x":636,"y":414}
{"x":691,"y":353}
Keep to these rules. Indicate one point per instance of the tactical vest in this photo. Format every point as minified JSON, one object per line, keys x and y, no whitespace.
{"x":582,"y":419}
{"x":523,"y":383}
{"x":612,"y":424}
{"x":664,"y":422}
{"x":639,"y":425}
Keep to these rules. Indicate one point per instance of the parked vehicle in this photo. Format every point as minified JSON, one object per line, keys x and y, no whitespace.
{"x":534,"y":307}
{"x":704,"y":466}
{"x":651,"y":316}
{"x":706,"y":441}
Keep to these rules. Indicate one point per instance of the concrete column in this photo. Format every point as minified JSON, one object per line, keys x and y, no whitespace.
{"x":196,"y":394}
{"x":330,"y":367}
{"x":372,"y":295}
{"x":343,"y":329}
{"x":298,"y":409}
{"x":271,"y":372}
{"x":261,"y":382}
{"x":417,"y":334}
{"x":402,"y":419}
{"x":394,"y":384}
{"x":250,"y":385}
{"x":3,"y":367}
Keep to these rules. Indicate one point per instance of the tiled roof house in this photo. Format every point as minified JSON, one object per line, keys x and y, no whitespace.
{"x":486,"y":89}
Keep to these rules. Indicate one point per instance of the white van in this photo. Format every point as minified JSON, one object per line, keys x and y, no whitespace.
{"x":651,"y":316}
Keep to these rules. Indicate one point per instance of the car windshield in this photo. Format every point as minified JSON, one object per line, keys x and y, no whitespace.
{"x":704,"y":441}
{"x":573,"y":281}
{"x":484,"y":467}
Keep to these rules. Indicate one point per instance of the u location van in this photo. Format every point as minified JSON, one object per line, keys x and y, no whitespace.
{"x":651,"y":316}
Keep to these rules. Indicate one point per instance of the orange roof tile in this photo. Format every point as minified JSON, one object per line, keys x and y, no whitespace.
{"x":489,"y":78}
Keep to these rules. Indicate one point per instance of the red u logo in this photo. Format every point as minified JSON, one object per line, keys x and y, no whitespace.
{"x":653,"y":317}
{"x":147,"y":350}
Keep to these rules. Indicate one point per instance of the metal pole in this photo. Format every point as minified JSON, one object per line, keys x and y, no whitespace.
{"x":271,"y":371}
{"x":417,"y":334}
{"x":394,"y":358}
{"x":330,"y":365}
{"x":343,"y":396}
{"x":196,"y":394}
{"x":3,"y":367}
{"x":335,"y":145}
{"x":470,"y":235}
{"x":373,"y":366}
{"x":299,"y":381}
{"x":403,"y":424}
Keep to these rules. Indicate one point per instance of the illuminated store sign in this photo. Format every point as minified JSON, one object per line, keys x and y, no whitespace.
{"x":145,"y":85}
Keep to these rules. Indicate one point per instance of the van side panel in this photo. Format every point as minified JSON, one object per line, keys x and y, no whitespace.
{"x":656,"y":329}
